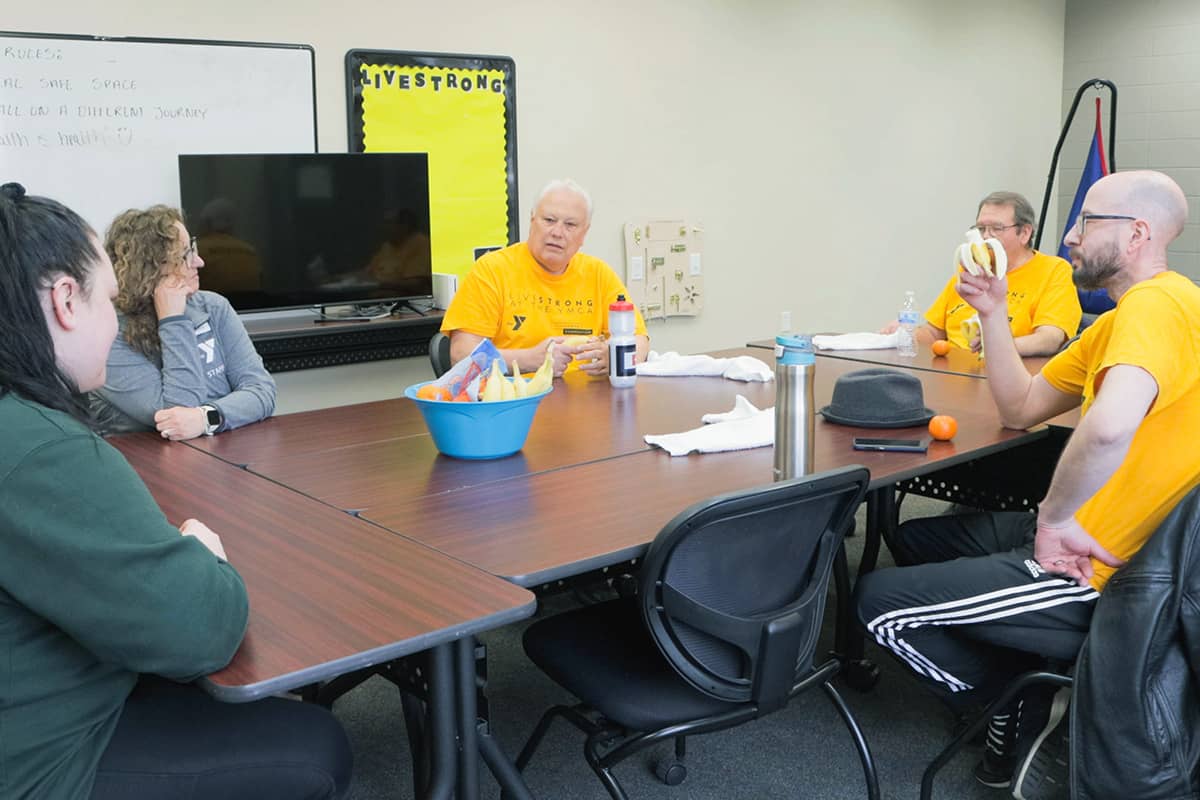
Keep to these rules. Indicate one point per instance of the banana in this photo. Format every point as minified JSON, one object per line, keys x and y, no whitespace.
{"x":980,"y":256}
{"x":494,"y":389}
{"x":519,"y":384}
{"x":544,"y":377}
{"x":507,"y":390}
{"x":962,"y":258}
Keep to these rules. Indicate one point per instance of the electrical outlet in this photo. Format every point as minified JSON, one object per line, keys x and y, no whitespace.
{"x":785,"y":320}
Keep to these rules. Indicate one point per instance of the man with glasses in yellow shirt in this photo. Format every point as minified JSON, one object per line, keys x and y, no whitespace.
{"x":543,"y":290}
{"x":1043,"y":305}
{"x":969,"y":583}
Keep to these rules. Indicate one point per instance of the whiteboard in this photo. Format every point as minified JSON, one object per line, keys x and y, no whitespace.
{"x":98,"y":123}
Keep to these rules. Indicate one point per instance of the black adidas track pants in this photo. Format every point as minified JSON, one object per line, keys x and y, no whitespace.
{"x":969,"y":608}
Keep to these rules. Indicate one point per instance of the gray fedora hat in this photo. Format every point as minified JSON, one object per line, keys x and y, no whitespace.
{"x":878,"y":398}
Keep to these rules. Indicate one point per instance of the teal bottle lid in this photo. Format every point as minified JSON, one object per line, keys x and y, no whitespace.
{"x":794,"y":348}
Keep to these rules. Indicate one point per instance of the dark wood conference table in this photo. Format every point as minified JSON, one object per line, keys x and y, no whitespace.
{"x":538,"y":527}
{"x":586,"y":491}
{"x":331,"y":594}
{"x":582,"y":421}
{"x":309,"y":432}
{"x":957,"y":362}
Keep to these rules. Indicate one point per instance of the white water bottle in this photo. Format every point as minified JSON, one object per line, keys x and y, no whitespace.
{"x":906,"y":341}
{"x":622,"y":345}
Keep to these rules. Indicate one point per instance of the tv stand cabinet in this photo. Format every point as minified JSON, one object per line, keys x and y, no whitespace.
{"x":290,"y":344}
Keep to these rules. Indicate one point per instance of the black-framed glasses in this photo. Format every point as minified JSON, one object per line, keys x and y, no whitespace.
{"x":190,"y":251}
{"x":988,"y":230}
{"x":1082,"y":220}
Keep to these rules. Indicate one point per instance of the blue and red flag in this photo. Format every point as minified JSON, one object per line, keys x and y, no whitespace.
{"x":1096,"y":167}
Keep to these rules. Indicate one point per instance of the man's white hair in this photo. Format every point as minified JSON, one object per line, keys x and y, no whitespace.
{"x":568,"y":185}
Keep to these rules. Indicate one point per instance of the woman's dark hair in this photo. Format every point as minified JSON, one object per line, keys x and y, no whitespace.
{"x":40,"y":239}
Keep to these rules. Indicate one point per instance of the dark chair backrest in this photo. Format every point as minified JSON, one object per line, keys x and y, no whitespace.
{"x":439,"y":354}
{"x":733,"y":589}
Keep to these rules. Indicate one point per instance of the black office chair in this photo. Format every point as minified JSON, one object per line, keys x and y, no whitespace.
{"x":439,"y":354}
{"x":723,"y":630}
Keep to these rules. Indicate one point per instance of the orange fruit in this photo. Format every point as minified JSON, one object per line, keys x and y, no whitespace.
{"x":943,"y":427}
{"x":432,"y":392}
{"x":940,"y":348}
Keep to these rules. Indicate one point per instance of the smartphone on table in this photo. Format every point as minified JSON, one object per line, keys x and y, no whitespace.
{"x":900,"y":445}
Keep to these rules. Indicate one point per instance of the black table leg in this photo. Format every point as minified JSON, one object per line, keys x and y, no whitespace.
{"x":468,"y":754}
{"x":859,"y":672}
{"x":443,"y":733}
{"x":476,"y":740}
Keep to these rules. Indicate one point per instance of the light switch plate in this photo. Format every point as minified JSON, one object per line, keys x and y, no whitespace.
{"x":637,"y":268}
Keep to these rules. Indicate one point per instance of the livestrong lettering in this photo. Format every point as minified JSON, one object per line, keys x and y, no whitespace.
{"x":433,"y":81}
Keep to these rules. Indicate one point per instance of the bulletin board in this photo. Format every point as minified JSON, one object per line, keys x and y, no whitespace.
{"x":461,"y":110}
{"x":98,"y":123}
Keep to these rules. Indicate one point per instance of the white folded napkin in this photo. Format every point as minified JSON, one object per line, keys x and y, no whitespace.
{"x":741,"y":428}
{"x":739,"y":368}
{"x":856,"y":341}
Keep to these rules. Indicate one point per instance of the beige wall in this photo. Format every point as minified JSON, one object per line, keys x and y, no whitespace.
{"x":833,"y":152}
{"x":1151,"y":51}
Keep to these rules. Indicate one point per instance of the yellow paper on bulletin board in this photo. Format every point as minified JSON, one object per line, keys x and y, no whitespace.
{"x":460,"y":116}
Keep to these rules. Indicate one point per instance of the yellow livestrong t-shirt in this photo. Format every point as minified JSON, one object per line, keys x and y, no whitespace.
{"x":1040,"y":292}
{"x":1155,"y":326}
{"x":508,"y":298}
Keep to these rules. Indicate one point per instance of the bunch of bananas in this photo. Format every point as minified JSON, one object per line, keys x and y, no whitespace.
{"x":499,"y":387}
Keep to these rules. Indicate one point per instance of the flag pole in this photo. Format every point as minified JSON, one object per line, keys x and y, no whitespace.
{"x":1098,"y":84}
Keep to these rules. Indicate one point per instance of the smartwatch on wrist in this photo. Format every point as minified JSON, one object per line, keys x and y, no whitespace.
{"x":213,"y":418}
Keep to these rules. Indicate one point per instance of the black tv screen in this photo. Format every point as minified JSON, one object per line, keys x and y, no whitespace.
{"x":314,"y":229}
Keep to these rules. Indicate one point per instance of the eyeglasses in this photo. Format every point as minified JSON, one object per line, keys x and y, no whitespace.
{"x":1083,"y":219}
{"x":988,"y":230}
{"x":190,"y":252}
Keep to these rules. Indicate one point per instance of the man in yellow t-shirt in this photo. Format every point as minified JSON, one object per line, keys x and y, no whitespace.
{"x":542,"y":290}
{"x":969,"y":584}
{"x":1043,"y":305}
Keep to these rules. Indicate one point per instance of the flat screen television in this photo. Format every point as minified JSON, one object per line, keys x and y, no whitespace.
{"x":315,"y":229}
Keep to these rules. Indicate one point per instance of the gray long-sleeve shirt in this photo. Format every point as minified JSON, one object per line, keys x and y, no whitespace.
{"x":207,"y":358}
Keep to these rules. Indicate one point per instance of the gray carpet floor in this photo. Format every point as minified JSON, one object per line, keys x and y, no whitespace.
{"x":803,"y":751}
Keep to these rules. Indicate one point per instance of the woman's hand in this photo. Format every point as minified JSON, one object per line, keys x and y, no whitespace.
{"x":180,"y":422}
{"x":196,"y":528}
{"x":170,"y":296}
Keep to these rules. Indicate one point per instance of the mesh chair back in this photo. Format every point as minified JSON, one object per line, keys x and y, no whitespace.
{"x":439,"y":354}
{"x":733,"y":589}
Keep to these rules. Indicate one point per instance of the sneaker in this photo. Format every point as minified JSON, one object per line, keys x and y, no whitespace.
{"x":999,"y":760}
{"x":1043,"y":771}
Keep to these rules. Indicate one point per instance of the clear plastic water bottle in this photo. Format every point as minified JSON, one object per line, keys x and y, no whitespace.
{"x":622,"y":346}
{"x":906,"y":342}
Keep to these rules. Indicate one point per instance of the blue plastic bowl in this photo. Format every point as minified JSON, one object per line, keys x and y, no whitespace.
{"x":477,"y":430}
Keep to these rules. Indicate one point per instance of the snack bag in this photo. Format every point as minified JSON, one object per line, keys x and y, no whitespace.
{"x":465,"y":376}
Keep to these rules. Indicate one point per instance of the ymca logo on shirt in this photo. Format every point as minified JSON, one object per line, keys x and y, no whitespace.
{"x":518,"y":321}
{"x":207,"y":346}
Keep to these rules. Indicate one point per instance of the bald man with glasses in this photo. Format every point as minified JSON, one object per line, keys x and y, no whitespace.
{"x":1043,"y":305}
{"x":968,"y":583}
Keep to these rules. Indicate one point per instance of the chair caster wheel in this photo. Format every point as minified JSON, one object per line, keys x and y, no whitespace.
{"x":861,"y":675}
{"x":625,"y":585}
{"x":671,"y":773}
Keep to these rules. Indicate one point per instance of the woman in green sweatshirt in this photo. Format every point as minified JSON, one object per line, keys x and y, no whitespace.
{"x":106,"y":609}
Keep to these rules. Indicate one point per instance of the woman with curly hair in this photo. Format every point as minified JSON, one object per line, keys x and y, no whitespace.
{"x":107,"y":610}
{"x":183,"y":363}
